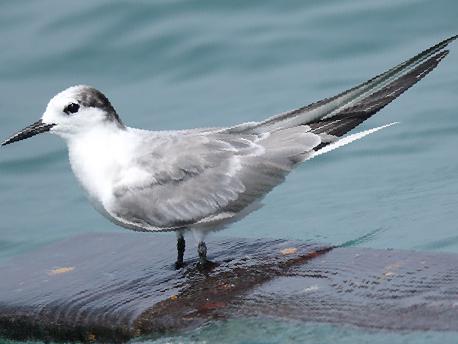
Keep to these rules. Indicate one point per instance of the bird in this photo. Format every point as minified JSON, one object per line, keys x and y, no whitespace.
{"x":201,"y":180}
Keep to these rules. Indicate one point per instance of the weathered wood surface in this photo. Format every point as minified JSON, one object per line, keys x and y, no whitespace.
{"x":111,"y":287}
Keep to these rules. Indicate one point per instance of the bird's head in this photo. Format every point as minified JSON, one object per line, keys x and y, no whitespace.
{"x":71,"y":112}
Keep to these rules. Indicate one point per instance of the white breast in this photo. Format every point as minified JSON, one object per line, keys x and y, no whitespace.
{"x":98,"y":160}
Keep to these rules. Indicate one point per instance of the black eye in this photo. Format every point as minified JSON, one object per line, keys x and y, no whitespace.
{"x":71,"y":108}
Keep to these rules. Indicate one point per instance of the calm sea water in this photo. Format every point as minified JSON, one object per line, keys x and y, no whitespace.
{"x":178,"y":64}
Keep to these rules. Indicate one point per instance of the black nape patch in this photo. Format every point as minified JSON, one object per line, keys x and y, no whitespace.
{"x":91,"y":97}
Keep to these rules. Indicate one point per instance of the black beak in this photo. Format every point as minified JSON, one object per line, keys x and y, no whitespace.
{"x":32,"y":130}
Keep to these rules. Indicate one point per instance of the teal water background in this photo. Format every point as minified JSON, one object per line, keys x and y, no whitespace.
{"x":178,"y":64}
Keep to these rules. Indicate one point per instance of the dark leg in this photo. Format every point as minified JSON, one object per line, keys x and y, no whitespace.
{"x":181,"y":245}
{"x":204,"y":263}
{"x":202,"y":250}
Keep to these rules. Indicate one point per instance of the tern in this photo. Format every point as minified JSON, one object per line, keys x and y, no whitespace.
{"x":205,"y":179}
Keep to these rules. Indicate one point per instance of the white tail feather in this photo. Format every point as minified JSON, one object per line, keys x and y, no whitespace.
{"x":348,"y":139}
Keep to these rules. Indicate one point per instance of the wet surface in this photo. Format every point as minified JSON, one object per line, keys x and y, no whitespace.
{"x":383,"y":289}
{"x":112,"y":287}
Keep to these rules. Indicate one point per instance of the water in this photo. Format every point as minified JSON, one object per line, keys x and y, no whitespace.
{"x":179,"y":64}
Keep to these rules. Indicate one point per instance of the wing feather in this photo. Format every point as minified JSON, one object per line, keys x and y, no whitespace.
{"x":330,"y":107}
{"x":195,"y":178}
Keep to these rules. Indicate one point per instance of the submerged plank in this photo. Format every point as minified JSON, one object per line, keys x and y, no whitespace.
{"x":112,"y":287}
{"x":383,"y":289}
{"x":100,"y":286}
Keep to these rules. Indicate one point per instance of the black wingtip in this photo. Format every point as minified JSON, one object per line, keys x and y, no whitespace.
{"x":440,"y":56}
{"x":447,"y":41}
{"x":351,"y":117}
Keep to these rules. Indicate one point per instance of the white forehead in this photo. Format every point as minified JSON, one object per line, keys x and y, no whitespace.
{"x":67,"y":96}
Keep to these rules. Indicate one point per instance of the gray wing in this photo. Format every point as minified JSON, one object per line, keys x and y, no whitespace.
{"x":333,"y":117}
{"x":204,"y":178}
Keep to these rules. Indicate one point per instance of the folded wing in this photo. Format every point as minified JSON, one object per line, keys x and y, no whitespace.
{"x":204,"y":178}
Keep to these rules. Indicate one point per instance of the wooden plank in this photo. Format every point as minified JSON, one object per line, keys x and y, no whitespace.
{"x":112,"y":287}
